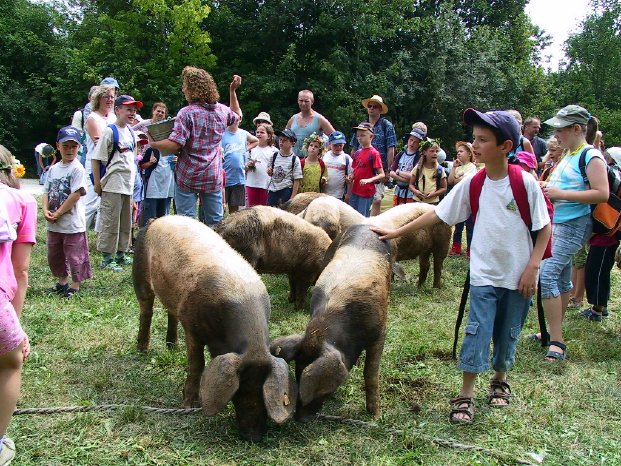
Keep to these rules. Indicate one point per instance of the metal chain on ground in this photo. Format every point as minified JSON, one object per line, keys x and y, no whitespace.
{"x":325,"y":417}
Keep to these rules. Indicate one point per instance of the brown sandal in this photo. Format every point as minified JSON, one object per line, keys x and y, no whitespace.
{"x":499,"y":390}
{"x":459,"y":408}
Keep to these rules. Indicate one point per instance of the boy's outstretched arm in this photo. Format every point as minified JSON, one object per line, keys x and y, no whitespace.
{"x":427,"y":219}
{"x":528,"y":280}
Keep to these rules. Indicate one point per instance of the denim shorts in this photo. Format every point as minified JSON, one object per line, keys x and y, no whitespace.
{"x":567,"y":239}
{"x":496,"y":314}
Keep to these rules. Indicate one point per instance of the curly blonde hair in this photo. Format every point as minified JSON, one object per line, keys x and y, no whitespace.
{"x":199,"y":86}
{"x":7,"y":176}
{"x":98,"y":93}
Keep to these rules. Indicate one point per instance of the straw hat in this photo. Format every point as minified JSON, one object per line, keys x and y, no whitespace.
{"x":377,"y":99}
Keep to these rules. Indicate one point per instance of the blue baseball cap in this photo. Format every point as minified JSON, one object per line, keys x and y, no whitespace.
{"x":69,"y":133}
{"x":287,"y":133}
{"x":503,"y":121}
{"x":127,"y":100}
{"x":109,"y":81}
{"x":337,"y":138}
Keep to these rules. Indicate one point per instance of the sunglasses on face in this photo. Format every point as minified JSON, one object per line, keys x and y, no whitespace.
{"x":373,"y":106}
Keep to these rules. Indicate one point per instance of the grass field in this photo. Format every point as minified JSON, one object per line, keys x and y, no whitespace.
{"x":83,"y":353}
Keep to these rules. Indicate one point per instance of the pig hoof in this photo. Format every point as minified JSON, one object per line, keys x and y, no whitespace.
{"x":191,"y":404}
{"x":374,"y":409}
{"x":142,"y":348}
{"x":171,"y":345}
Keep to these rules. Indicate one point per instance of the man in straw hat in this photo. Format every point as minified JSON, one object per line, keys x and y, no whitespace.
{"x":308,"y":121}
{"x":385,"y":141}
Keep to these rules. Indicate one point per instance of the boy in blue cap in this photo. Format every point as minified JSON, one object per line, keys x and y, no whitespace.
{"x":504,"y":263}
{"x":63,"y":209}
{"x":339,"y":167}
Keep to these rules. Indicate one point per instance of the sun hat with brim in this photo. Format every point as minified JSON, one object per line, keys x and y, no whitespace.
{"x":364,"y":126}
{"x":615,"y":154}
{"x":570,"y":115}
{"x":503,"y":121}
{"x":527,"y":159}
{"x":378,"y":100}
{"x":263,"y":116}
{"x":127,"y":100}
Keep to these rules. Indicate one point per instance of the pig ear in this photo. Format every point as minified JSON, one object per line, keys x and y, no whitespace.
{"x":280,"y":392}
{"x":286,"y":347}
{"x":323,"y":376}
{"x":219,"y":382}
{"x":398,"y":271}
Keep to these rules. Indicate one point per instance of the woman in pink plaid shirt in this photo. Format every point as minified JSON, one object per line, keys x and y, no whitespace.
{"x":196,"y":136}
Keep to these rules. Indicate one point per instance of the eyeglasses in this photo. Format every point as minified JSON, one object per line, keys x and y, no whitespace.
{"x":373,"y":106}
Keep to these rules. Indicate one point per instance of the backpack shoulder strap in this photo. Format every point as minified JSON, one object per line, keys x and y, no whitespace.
{"x":476,"y":186}
{"x":516,"y":180}
{"x":302,"y":162}
{"x":582,"y":164}
{"x":274,"y":155}
{"x":323,"y":167}
{"x":439,"y":172}
{"x":115,"y":142}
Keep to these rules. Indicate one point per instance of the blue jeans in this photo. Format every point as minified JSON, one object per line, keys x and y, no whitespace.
{"x":496,"y":314}
{"x":275,"y":198}
{"x":361,"y":204}
{"x":212,"y":209}
{"x":154,"y":208}
{"x":567,"y":239}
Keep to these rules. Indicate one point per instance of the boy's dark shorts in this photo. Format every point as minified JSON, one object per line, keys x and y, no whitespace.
{"x":235,"y":195}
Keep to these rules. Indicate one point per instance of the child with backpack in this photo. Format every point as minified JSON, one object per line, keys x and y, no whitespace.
{"x":339,"y":168}
{"x":314,"y":172}
{"x":368,"y":169}
{"x":601,"y":257}
{"x":402,"y":166}
{"x":502,"y":278}
{"x":113,"y":178}
{"x":285,"y":171}
{"x":67,"y":244}
{"x":257,"y":179}
{"x":428,"y":179}
{"x":571,"y":194}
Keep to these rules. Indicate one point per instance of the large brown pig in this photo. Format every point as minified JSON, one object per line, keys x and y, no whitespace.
{"x":349,"y":306}
{"x":423,"y":243}
{"x":221,"y":303}
{"x":275,"y":241}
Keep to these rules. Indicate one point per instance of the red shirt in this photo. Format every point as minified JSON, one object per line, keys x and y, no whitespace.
{"x":365,"y":165}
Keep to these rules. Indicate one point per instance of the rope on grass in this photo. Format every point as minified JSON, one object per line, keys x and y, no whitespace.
{"x":325,"y":417}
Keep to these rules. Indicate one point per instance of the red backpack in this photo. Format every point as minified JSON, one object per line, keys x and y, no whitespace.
{"x":518,"y":189}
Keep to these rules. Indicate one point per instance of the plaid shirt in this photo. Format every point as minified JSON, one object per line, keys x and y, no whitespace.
{"x":198,"y":129}
{"x":384,"y":138}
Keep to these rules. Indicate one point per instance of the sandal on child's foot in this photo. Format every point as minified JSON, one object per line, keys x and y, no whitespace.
{"x":462,"y":405}
{"x":574,"y":303}
{"x":555,"y":356}
{"x":8,"y":451}
{"x":499,"y":393}
{"x":70,"y":293}
{"x":536,"y":337}
{"x":58,"y":288}
{"x":591,"y":314}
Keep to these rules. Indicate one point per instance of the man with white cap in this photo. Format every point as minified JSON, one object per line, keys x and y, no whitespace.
{"x":307,"y":122}
{"x":385,"y":141}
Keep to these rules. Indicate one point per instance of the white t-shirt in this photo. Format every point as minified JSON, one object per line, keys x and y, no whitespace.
{"x":335,"y":166}
{"x":258,"y":178}
{"x":286,"y":169}
{"x":120,"y":173}
{"x":64,"y":179}
{"x":90,"y":145}
{"x":501,"y":244}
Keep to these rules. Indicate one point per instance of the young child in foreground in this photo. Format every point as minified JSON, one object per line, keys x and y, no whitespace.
{"x":63,"y":209}
{"x":503,"y":263}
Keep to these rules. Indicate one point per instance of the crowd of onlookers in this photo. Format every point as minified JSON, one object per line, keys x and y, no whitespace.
{"x":107,"y":172}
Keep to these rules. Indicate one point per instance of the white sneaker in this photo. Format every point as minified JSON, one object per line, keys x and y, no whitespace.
{"x":8,"y":451}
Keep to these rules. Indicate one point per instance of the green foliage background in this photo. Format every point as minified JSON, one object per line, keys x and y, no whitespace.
{"x":430,"y":59}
